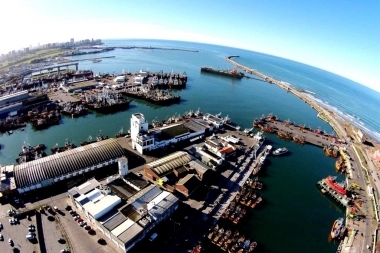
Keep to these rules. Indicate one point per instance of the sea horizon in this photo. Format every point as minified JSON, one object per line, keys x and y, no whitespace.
{"x":294,"y":215}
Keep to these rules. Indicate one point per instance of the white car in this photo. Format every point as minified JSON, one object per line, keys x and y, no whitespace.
{"x":11,"y":221}
{"x":1,"y":237}
{"x":10,"y":241}
{"x":82,"y":223}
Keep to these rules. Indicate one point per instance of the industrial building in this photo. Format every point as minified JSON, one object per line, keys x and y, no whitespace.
{"x":93,"y":199}
{"x":58,"y":167}
{"x":14,"y":97}
{"x":144,"y":140}
{"x":177,"y":172}
{"x":131,"y":222}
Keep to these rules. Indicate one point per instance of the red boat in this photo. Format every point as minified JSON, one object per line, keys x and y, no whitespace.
{"x":337,"y":187}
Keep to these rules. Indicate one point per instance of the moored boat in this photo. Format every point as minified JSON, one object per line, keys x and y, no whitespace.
{"x":280,"y":151}
{"x":336,"y":228}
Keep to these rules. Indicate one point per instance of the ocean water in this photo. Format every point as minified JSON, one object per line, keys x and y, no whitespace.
{"x":295,"y":216}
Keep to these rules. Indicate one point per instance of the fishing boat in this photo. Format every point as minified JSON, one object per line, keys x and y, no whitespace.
{"x":337,"y":227}
{"x":280,"y":151}
{"x":268,"y":148}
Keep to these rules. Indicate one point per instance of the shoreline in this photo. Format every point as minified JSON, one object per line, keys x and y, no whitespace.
{"x":354,"y":139}
{"x":330,"y":117}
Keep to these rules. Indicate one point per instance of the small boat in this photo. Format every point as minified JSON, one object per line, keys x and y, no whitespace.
{"x":280,"y":151}
{"x":336,"y":228}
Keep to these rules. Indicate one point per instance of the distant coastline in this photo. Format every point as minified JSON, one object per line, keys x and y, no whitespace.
{"x":153,"y":48}
{"x":330,"y":117}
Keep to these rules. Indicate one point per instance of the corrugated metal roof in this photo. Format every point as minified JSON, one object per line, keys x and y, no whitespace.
{"x":170,"y":162}
{"x":132,"y":232}
{"x":34,"y":172}
{"x":115,"y":221}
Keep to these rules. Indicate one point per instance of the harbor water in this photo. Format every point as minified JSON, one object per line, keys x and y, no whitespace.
{"x":294,"y":216}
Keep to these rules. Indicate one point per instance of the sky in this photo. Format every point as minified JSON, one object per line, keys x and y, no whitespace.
{"x":339,"y":36}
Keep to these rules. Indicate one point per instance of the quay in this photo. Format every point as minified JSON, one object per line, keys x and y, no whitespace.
{"x":89,"y":59}
{"x":294,"y":132}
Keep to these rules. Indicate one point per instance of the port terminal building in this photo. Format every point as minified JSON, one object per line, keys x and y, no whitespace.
{"x":124,"y":218}
{"x":49,"y":170}
{"x":144,"y":140}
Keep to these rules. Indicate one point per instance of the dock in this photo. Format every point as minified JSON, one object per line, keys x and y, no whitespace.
{"x":319,"y":138}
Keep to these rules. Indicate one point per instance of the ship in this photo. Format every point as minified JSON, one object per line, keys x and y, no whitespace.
{"x":52,"y":118}
{"x":331,"y":181}
{"x":105,"y":102}
{"x":223,"y":72}
{"x":336,"y":228}
{"x":280,"y":151}
{"x":73,"y":109}
{"x":158,"y":97}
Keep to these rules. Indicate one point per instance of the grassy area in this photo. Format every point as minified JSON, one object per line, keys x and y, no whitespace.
{"x":25,"y":59}
{"x":361,"y":157}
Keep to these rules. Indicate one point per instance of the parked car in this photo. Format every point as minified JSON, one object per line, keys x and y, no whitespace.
{"x":82,"y":223}
{"x":65,"y":251}
{"x":68,"y":208}
{"x":32,"y":229}
{"x":10,"y":241}
{"x":79,"y":220}
{"x":76,"y":217}
{"x":11,"y":221}
{"x":1,"y":226}
{"x":1,"y":237}
{"x":87,"y":227}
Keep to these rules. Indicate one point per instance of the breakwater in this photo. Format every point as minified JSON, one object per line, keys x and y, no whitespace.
{"x":328,"y":118}
{"x":155,"y":48}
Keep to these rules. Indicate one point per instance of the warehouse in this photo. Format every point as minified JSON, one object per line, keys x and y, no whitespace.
{"x":144,"y":140}
{"x":58,"y":167}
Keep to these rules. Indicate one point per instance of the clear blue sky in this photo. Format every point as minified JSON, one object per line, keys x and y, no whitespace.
{"x":339,"y":36}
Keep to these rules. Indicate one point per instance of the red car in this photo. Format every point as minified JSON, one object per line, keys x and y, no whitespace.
{"x":79,"y":220}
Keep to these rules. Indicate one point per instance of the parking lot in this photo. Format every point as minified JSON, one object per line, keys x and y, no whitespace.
{"x":17,"y":232}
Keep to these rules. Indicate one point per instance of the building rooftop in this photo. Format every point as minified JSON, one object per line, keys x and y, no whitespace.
{"x":57,"y":165}
{"x":122,"y":189}
{"x":190,"y":182}
{"x":198,"y":166}
{"x":170,"y":162}
{"x":173,"y":131}
{"x":100,"y":205}
{"x":196,"y":125}
{"x":136,"y":180}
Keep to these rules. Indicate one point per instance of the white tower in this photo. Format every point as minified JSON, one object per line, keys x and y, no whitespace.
{"x":123,"y":166}
{"x":138,"y":124}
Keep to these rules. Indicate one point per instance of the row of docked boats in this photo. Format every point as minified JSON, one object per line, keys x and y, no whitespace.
{"x":247,"y":196}
{"x":173,"y":80}
{"x":104,"y":101}
{"x":231,"y":242}
{"x":154,"y":96}
{"x":234,"y":212}
{"x":30,"y":153}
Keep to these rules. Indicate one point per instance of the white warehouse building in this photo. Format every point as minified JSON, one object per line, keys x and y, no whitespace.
{"x":58,"y":167}
{"x":145,"y":140}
